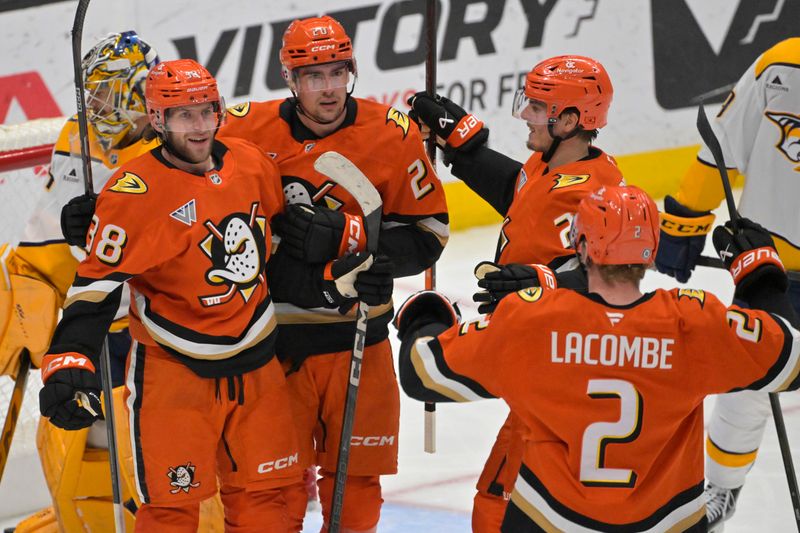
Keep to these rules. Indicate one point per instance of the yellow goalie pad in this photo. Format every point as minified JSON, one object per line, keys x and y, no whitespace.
{"x":28,"y":315}
{"x":79,"y":479}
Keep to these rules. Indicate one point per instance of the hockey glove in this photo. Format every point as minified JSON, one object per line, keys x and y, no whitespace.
{"x":317,"y":235}
{"x":750,"y":256}
{"x":501,"y":280}
{"x":357,"y":276}
{"x":76,"y":217}
{"x":683,"y":236}
{"x":70,"y":397}
{"x":425,"y":308}
{"x":455,"y":129}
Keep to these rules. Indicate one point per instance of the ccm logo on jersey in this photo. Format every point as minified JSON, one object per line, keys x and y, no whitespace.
{"x":278,"y":464}
{"x":372,"y":440}
{"x":752,"y":259}
{"x":54,"y":362}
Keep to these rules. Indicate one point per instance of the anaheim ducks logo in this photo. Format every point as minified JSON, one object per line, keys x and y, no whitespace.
{"x":299,"y":191}
{"x":129,"y":183}
{"x":236,"y":247}
{"x":531,"y":294}
{"x":239,"y":110}
{"x":789,"y":144}
{"x":568,"y":180}
{"x":693,"y":294}
{"x":400,"y":120}
{"x":182,"y":478}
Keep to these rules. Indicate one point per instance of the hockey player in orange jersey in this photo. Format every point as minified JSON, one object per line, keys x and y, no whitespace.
{"x":613,"y":401}
{"x":186,"y":225}
{"x":565,"y":102}
{"x":323,"y":222}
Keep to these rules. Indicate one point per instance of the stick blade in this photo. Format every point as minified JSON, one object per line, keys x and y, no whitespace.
{"x":341,"y":170}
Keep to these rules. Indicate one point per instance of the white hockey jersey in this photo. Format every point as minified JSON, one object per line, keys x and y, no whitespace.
{"x":759,"y":132}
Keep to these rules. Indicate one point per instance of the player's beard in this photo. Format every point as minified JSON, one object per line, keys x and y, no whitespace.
{"x":190,"y":156}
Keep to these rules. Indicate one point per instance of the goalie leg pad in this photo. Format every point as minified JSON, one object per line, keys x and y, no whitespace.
{"x":28,"y":313}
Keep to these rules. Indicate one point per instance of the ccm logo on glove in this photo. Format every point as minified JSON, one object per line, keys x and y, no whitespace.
{"x":53,"y":362}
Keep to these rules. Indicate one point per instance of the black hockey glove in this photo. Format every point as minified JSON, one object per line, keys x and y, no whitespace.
{"x":317,"y":234}
{"x":422,"y":309}
{"x":750,"y":256}
{"x":501,"y":280}
{"x":76,"y":217}
{"x":683,"y":236}
{"x":358,"y":276}
{"x":455,"y":129}
{"x":70,"y":397}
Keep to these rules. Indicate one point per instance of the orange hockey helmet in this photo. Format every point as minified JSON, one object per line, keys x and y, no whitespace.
{"x":568,"y":81}
{"x":619,"y":225}
{"x":178,"y":83}
{"x":314,"y":41}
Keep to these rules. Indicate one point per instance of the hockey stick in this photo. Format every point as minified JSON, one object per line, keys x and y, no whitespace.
{"x":710,"y":139}
{"x":430,"y":146}
{"x":14,"y":407}
{"x":105,"y":363}
{"x":341,"y":170}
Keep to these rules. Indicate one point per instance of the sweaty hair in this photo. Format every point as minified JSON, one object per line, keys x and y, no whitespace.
{"x":582,"y":134}
{"x":614,"y":274}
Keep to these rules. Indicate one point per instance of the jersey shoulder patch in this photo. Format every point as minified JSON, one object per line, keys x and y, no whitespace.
{"x":531,"y":294}
{"x":568,"y":180}
{"x":129,"y":183}
{"x":239,"y":110}
{"x":785,"y":52}
{"x":693,"y":294}
{"x":399,"y":119}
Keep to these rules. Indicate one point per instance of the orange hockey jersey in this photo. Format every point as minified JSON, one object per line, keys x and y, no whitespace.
{"x":612,"y":397}
{"x":536,"y":227}
{"x":387,"y":147}
{"x":193,"y":249}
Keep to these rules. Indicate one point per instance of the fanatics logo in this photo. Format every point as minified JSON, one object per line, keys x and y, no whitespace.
{"x":186,"y":213}
{"x":182,"y":478}
{"x":615,"y":318}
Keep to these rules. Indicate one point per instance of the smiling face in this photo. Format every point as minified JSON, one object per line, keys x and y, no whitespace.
{"x":322,"y":90}
{"x":190,"y":131}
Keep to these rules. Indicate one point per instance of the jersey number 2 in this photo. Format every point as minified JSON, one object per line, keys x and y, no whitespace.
{"x":598,"y":435}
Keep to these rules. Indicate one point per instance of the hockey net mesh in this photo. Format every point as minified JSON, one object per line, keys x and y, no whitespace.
{"x":25,"y":151}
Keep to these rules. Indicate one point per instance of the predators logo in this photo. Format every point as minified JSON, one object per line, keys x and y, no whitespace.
{"x":789,"y":144}
{"x":568,"y":180}
{"x":400,"y":120}
{"x":130,"y":184}
{"x":693,"y":294}
{"x":239,"y":110}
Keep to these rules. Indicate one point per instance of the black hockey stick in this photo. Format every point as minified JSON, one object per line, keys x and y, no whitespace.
{"x":14,"y":407}
{"x":710,"y":140}
{"x":430,"y":146}
{"x":341,"y":170}
{"x":105,"y":363}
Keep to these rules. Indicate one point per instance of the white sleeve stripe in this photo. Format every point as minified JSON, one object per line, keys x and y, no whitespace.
{"x":103,"y":287}
{"x":442,"y":384}
{"x":790,"y":370}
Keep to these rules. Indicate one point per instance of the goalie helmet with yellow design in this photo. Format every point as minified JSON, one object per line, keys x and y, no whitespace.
{"x":114,"y":74}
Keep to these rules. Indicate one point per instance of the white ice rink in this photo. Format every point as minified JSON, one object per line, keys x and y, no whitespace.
{"x":433,"y":493}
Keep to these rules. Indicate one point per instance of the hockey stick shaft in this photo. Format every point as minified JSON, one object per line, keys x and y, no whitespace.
{"x":347,"y":175}
{"x":86,"y":163}
{"x":14,"y":407}
{"x":430,"y":146}
{"x":711,"y":141}
{"x":80,"y":99}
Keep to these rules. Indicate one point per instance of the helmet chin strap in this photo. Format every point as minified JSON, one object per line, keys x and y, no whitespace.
{"x":548,"y":155}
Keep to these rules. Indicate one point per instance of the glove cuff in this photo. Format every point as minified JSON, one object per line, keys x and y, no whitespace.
{"x":465,"y":130}
{"x":354,"y":236}
{"x":686,"y":226}
{"x":545,"y":275}
{"x":51,"y":363}
{"x":746,"y":263}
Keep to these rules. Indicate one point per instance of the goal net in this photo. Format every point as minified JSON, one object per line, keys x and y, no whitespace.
{"x":25,"y":151}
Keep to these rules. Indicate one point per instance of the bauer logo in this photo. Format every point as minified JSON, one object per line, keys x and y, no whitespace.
{"x":700,"y":53}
